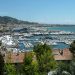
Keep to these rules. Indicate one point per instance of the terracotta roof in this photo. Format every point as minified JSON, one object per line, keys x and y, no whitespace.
{"x":62,"y":54}
{"x":18,"y":57}
{"x":14,"y":57}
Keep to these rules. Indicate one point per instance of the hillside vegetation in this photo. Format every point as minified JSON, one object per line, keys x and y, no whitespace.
{"x":10,"y":20}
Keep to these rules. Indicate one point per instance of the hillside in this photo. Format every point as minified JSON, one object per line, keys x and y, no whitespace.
{"x":7,"y":19}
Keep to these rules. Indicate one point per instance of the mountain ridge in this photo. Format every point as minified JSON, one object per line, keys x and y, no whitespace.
{"x":11,"y":20}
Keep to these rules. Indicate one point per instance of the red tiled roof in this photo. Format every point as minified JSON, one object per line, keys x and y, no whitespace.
{"x":14,"y":58}
{"x":18,"y":58}
{"x":67,"y":55}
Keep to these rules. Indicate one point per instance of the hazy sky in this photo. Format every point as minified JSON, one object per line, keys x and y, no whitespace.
{"x":44,"y":11}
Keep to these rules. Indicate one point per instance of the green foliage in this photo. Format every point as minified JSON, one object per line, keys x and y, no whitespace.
{"x":46,"y":62}
{"x":63,"y":66}
{"x":45,"y":58}
{"x":1,"y":64}
{"x":40,"y":49}
{"x":38,"y":62}
{"x":0,"y":43}
{"x":18,"y":67}
{"x":35,"y":67}
{"x":72,"y":67}
{"x":72,"y":47}
{"x":10,"y":69}
{"x":30,"y":67}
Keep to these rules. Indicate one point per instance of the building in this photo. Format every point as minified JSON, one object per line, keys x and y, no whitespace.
{"x":59,"y":55}
{"x":64,"y":55}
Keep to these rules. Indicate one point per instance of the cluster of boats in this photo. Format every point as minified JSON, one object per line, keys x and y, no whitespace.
{"x":22,"y":40}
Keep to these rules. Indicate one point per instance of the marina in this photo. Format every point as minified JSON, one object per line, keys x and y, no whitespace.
{"x":24,"y":39}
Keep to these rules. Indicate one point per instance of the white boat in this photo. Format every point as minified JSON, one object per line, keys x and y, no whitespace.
{"x":28,"y":45}
{"x":68,"y":42}
{"x":8,"y":40}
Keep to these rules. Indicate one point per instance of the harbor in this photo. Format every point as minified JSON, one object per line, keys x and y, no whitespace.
{"x":24,"y":38}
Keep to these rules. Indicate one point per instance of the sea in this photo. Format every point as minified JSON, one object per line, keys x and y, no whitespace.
{"x":60,"y":45}
{"x":70,"y":28}
{"x":67,"y":28}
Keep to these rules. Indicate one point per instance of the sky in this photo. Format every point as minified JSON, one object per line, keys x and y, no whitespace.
{"x":42,"y":11}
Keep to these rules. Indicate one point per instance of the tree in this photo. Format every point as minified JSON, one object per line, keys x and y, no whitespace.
{"x":72,"y":48}
{"x":72,"y":66}
{"x":10,"y":69}
{"x":1,"y":61}
{"x":0,"y":43}
{"x":45,"y":58}
{"x":18,"y":67}
{"x":63,"y":68}
{"x":1,"y":64}
{"x":29,"y":65}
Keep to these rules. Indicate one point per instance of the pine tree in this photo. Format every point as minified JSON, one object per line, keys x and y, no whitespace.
{"x":30,"y":66}
{"x":1,"y":64}
{"x":45,"y":58}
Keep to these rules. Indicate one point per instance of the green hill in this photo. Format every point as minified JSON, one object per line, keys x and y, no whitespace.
{"x":7,"y":19}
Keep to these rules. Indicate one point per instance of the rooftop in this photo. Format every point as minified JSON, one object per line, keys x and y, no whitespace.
{"x":18,"y":57}
{"x":62,"y":54}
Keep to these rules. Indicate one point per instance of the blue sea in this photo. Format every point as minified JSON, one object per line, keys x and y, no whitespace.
{"x":63,"y":28}
{"x":68,"y":28}
{"x":60,"y":45}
